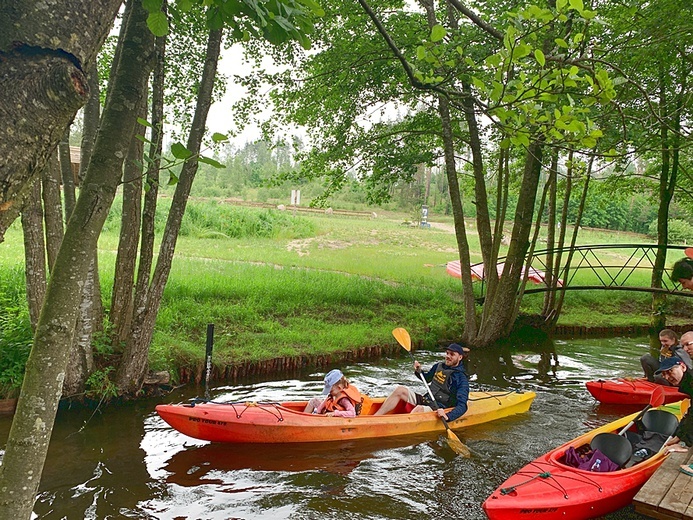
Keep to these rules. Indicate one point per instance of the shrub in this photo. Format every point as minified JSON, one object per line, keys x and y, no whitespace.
{"x":680,"y":231}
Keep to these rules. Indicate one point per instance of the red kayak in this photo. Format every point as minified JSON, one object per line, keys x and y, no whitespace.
{"x":549,"y":489}
{"x":630,"y":391}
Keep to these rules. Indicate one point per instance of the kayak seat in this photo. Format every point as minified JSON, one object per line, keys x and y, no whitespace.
{"x":614,"y":446}
{"x":660,"y":421}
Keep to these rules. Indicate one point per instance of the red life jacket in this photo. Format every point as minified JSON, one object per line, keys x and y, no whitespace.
{"x":350,"y":392}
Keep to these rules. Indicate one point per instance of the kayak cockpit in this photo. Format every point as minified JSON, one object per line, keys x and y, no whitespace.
{"x":607,"y":451}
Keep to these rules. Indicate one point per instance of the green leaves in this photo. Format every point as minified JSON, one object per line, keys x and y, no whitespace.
{"x":277,"y":20}
{"x":158,"y":23}
{"x":437,"y":33}
{"x":539,"y":55}
{"x":180,"y":152}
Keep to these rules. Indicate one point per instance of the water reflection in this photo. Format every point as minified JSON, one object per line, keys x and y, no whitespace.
{"x":126,"y":463}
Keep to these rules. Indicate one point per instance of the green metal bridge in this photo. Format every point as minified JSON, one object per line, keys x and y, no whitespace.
{"x":612,"y":267}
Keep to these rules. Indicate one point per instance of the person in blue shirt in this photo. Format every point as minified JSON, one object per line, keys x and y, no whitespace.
{"x":448,"y":382}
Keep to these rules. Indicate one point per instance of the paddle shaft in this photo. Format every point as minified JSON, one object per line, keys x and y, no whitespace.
{"x":434,"y":404}
{"x":639,"y":416}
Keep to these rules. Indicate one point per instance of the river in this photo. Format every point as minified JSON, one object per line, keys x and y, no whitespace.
{"x":125,"y":462}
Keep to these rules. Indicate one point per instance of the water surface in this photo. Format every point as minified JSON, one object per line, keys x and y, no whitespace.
{"x":125,"y":462}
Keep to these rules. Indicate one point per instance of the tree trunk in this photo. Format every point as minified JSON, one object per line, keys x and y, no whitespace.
{"x":90,"y":316}
{"x":29,"y":436}
{"x":42,"y":53}
{"x":90,"y":125}
{"x":558,"y":305}
{"x":81,"y":358}
{"x":133,"y":368}
{"x":34,"y":253}
{"x":550,"y":296}
{"x":121,"y":299}
{"x":470,"y":325}
{"x":67,"y":175}
{"x":499,"y":310}
{"x":667,"y":183}
{"x":53,"y":209}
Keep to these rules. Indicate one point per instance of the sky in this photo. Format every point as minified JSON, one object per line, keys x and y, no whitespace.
{"x":220,"y":118}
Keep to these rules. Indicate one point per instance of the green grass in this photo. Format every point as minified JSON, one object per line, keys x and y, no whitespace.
{"x":313,"y":284}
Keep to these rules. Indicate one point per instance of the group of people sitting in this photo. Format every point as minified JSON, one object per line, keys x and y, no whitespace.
{"x":447,"y":381}
{"x":674,"y":367}
{"x":673,"y":350}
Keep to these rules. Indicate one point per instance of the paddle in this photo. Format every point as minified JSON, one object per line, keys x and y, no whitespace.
{"x":689,"y":252}
{"x":656,"y":399}
{"x":403,"y":338}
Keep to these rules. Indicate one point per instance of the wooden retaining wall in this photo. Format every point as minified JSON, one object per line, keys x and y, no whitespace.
{"x":294,"y":364}
{"x":288,"y":364}
{"x":582,"y":331}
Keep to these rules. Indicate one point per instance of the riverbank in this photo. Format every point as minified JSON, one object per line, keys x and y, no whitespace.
{"x":283,"y":303}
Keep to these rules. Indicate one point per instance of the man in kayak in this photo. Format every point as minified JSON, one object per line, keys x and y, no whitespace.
{"x":675,"y":371}
{"x":448,"y":382}
{"x":670,"y":347}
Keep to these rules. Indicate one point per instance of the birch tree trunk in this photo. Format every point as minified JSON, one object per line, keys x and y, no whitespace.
{"x":31,"y":429}
{"x":42,"y":53}
{"x":152,"y":179}
{"x":53,"y":209}
{"x":90,"y":125}
{"x":67,"y":175}
{"x":34,"y":253}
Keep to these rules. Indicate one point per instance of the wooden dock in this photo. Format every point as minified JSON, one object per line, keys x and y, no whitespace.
{"x":668,"y":494}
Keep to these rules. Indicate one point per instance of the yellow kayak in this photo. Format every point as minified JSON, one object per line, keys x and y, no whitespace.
{"x":287,"y":423}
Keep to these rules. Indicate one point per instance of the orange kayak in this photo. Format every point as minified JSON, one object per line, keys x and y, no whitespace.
{"x":630,"y":391}
{"x":287,"y":423}
{"x":549,"y":489}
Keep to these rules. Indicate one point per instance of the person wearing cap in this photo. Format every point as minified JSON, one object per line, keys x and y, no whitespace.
{"x":448,"y":382}
{"x":342,"y":397}
{"x":670,"y":347}
{"x":675,"y":371}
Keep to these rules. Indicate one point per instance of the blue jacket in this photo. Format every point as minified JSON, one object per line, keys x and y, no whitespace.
{"x":459,"y":390}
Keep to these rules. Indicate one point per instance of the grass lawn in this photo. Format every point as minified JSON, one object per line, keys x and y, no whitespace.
{"x":344,"y":287}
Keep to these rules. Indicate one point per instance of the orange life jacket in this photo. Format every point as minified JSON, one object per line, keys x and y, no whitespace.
{"x":351,"y":393}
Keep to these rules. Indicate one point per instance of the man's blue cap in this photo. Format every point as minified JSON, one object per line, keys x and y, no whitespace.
{"x":668,"y":364}
{"x":456,"y":347}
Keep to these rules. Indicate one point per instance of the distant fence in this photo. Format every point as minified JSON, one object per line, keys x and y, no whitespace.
{"x":302,"y":209}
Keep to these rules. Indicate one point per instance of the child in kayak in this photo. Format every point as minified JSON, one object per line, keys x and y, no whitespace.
{"x":342,"y":397}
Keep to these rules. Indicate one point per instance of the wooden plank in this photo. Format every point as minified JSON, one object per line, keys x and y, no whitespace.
{"x":680,"y":495}
{"x":7,"y":406}
{"x":657,"y":486}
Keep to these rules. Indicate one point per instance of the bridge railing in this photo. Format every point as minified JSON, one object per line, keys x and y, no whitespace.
{"x":619,"y":267}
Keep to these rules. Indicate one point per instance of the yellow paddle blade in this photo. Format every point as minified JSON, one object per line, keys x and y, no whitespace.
{"x":456,"y":445}
{"x":403,"y":338}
